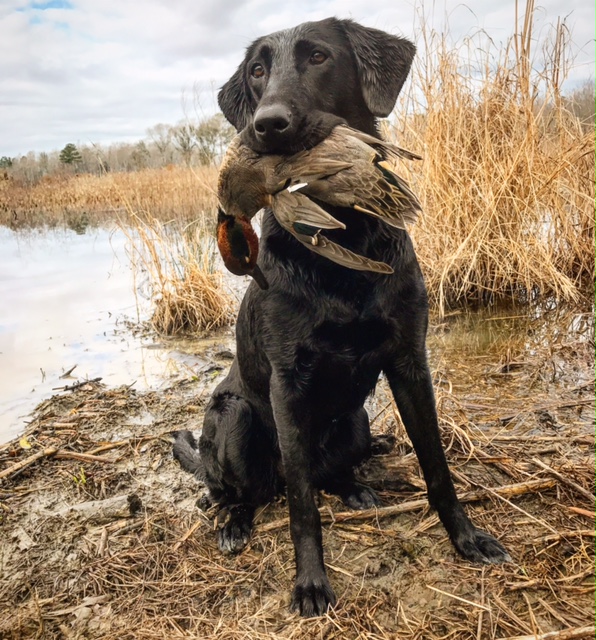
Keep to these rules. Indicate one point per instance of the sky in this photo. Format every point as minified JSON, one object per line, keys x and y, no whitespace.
{"x":102,"y":71}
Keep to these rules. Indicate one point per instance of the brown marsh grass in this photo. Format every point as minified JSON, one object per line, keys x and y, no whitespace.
{"x":187,"y":291}
{"x":172,"y":193}
{"x":507,"y":182}
{"x":166,"y":215}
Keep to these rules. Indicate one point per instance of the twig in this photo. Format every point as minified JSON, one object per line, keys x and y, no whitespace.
{"x":565,"y":534}
{"x":62,"y":454}
{"x":545,"y":407}
{"x":77,"y":385}
{"x":103,"y":543}
{"x":22,"y":464}
{"x":583,"y":512}
{"x":451,"y":595}
{"x":107,"y":447}
{"x":480,"y":614}
{"x":515,"y":586}
{"x":87,"y":602}
{"x":121,"y":443}
{"x":414,"y":505}
{"x":67,"y":373}
{"x":565,"y":634}
{"x":187,"y":535}
{"x":59,"y":454}
{"x":107,"y":510}
{"x":565,"y":480}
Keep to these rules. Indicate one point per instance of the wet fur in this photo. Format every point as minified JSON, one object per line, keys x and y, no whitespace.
{"x":311,"y":348}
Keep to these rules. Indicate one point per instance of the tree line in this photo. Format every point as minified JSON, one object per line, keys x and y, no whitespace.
{"x":191,"y":143}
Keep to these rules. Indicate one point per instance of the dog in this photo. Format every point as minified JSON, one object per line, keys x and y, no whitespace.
{"x":312,"y":347}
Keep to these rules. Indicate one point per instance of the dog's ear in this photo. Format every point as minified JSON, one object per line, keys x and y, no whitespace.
{"x":234,"y":99}
{"x":383,"y":62}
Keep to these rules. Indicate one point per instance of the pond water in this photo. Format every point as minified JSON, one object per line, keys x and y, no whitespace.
{"x":68,"y":299}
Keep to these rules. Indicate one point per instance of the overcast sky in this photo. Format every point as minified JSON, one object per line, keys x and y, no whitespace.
{"x":105,"y":70}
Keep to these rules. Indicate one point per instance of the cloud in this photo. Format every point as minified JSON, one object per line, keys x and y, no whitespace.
{"x":88,"y":71}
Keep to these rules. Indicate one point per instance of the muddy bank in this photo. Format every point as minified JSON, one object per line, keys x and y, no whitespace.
{"x":102,"y":536}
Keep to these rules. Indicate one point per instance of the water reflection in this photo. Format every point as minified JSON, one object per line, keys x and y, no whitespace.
{"x":65,"y":297}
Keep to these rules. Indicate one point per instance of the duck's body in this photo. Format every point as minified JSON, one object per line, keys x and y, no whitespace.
{"x":348,"y":169}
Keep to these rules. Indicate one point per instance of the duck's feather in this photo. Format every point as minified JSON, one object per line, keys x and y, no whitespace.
{"x":291,"y":207}
{"x":336,"y":253}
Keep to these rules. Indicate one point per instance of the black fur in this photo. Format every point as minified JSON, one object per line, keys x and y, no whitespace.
{"x":312,"y":347}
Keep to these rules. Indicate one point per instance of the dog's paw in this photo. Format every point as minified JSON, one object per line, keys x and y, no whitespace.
{"x":360,"y":497}
{"x":312,"y":597}
{"x":478,"y":546}
{"x":235,"y":526}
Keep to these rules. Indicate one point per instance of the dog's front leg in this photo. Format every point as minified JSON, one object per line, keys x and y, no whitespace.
{"x":312,"y":593}
{"x":411,"y":385}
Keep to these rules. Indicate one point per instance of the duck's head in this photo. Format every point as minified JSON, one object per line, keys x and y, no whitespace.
{"x":239,"y":246}
{"x":241,"y":185}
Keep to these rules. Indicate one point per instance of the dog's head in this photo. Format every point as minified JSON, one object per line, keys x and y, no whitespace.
{"x":295,"y":85}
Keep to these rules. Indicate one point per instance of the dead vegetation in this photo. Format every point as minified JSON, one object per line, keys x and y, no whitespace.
{"x":172,"y":193}
{"x":507,"y":182}
{"x":186,"y":289}
{"x":102,"y":537}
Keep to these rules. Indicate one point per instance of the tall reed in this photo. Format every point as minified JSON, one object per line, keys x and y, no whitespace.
{"x":187,"y":291}
{"x":507,"y":181}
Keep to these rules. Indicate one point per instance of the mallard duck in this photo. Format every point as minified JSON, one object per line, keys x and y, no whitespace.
{"x":239,"y":247}
{"x":347,"y":169}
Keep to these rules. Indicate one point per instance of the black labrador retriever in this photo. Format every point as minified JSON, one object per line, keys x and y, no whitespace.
{"x":311,"y":348}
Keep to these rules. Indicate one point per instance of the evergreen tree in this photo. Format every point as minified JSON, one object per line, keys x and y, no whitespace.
{"x":70,"y":154}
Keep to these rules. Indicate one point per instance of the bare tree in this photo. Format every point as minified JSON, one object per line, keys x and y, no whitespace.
{"x":183,"y":137}
{"x":212,"y":135}
{"x":161,"y":136}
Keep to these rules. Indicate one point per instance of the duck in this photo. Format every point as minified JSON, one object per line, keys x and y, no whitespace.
{"x":239,"y":247}
{"x":347,"y":169}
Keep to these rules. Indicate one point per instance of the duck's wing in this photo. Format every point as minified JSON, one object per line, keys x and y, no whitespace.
{"x":388,"y":195}
{"x":292,"y":208}
{"x":371,"y":187}
{"x":336,"y":253}
{"x":304,"y":219}
{"x":377,"y":143}
{"x":304,"y":167}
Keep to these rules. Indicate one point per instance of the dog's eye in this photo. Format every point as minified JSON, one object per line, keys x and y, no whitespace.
{"x":317,"y":57}
{"x":257,"y":70}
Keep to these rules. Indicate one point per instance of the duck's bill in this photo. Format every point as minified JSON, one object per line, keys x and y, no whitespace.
{"x":259,"y":277}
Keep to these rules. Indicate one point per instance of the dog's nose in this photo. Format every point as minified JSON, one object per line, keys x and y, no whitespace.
{"x":271,"y":121}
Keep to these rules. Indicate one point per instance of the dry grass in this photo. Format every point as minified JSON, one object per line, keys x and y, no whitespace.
{"x":172,"y":193}
{"x":187,"y":291}
{"x":507,"y":182}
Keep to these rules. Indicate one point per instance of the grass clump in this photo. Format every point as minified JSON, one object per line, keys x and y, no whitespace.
{"x":507,"y":183}
{"x":186,"y":289}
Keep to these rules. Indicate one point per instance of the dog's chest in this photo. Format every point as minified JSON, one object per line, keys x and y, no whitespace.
{"x":341,"y":361}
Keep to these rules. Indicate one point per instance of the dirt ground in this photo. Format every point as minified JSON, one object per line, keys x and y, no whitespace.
{"x":102,"y":536}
